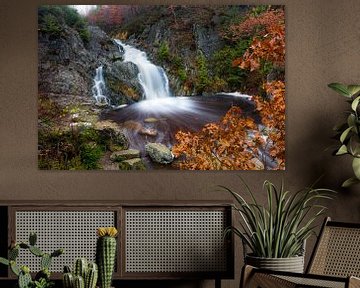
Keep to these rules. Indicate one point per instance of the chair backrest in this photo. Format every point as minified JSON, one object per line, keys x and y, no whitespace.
{"x":337,"y":251}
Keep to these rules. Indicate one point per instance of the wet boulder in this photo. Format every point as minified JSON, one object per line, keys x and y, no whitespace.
{"x":159,"y":153}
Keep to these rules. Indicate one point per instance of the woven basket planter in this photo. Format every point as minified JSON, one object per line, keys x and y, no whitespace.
{"x":291,"y":264}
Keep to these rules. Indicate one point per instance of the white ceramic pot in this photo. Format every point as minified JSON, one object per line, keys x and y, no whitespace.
{"x":291,"y":264}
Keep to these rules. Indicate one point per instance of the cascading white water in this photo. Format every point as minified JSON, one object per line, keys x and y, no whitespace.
{"x":152,"y":78}
{"x":99,"y":88}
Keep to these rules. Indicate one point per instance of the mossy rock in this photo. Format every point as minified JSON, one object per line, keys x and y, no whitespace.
{"x":132,"y":164}
{"x":124,"y":155}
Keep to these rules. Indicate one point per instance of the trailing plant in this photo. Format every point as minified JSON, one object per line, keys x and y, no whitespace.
{"x":42,"y":278}
{"x":349,"y":132}
{"x":85,"y":275}
{"x":279,"y":229}
{"x":105,"y":254}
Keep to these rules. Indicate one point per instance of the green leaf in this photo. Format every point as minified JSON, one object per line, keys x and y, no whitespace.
{"x":355,"y":103}
{"x":356,"y":167}
{"x":351,"y":120}
{"x":349,"y":182}
{"x":340,"y":88}
{"x":354,"y":145}
{"x":342,"y":150}
{"x":353,"y":89}
{"x":4,"y":261}
{"x":345,"y":134}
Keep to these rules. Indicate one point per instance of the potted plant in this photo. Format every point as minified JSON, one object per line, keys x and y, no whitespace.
{"x":349,"y":132}
{"x":276,"y":233}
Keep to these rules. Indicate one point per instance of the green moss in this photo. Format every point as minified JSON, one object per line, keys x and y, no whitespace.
{"x":202,"y":79}
{"x":90,"y":154}
{"x":73,"y":149}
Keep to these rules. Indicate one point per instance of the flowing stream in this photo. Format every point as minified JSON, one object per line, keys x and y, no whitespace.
{"x":159,"y":116}
{"x":152,"y":78}
{"x":98,"y":89}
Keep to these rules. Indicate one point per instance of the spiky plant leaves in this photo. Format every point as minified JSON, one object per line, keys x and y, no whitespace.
{"x":280,"y":228}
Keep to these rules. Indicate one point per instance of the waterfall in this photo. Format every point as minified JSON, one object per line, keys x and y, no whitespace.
{"x":152,"y":78}
{"x":99,"y":88}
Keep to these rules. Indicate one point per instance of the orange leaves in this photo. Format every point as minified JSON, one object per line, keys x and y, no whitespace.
{"x":270,"y":48}
{"x":272,"y":112}
{"x":268,"y":43}
{"x":227,"y":145}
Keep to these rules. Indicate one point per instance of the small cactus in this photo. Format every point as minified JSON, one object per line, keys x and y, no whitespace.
{"x":68,"y":280}
{"x":45,"y":261}
{"x":32,"y":239}
{"x":106,"y":254}
{"x":84,"y":274}
{"x":23,"y":273}
{"x":80,"y":268}
{"x":24,"y":280}
{"x":91,"y":276}
{"x":36,"y":251}
{"x":79,"y":282}
{"x":13,"y":253}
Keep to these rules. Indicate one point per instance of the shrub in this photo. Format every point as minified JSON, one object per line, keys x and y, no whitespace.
{"x":163,"y":53}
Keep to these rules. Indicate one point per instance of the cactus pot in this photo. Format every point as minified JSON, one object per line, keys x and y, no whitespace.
{"x":291,"y":264}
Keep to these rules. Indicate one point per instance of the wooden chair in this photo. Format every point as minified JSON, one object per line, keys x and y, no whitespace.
{"x":335,"y":262}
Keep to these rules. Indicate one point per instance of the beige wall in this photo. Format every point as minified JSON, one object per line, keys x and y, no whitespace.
{"x":323,"y":46}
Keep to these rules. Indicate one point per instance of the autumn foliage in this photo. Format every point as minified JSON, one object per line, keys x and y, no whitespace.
{"x":268,"y":46}
{"x":272,"y":112}
{"x":111,"y":15}
{"x":227,"y":145}
{"x":257,"y":25}
{"x":237,"y":142}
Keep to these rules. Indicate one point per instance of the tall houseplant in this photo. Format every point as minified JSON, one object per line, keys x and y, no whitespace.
{"x":349,"y":132}
{"x":275,"y":233}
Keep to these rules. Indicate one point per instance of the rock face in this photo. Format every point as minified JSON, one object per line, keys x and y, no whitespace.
{"x":121,"y":79}
{"x":159,"y":153}
{"x":67,"y":66}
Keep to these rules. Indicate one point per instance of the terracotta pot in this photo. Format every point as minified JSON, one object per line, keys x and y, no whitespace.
{"x":291,"y":264}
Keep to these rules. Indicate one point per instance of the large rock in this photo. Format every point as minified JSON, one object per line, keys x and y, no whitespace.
{"x":122,"y":82}
{"x":159,"y":153}
{"x":111,"y":135}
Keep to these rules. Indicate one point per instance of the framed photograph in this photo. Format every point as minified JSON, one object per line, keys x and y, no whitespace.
{"x":147,"y":87}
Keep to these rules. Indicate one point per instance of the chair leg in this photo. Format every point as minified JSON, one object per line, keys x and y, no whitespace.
{"x":246,"y":274}
{"x":354,"y":282}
